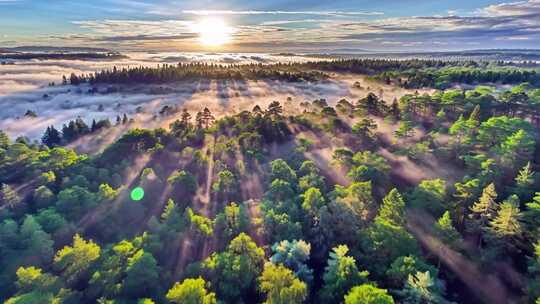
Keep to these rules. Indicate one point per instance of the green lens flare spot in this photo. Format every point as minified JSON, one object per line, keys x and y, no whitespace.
{"x":137,"y":194}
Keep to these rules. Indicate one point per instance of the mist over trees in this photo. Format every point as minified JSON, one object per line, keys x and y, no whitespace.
{"x":429,"y":198}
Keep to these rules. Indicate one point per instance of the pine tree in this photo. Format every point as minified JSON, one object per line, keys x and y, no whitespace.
{"x":506,"y":225}
{"x":169,"y":209}
{"x":423,"y":288}
{"x":445,"y":229}
{"x":186,"y":119}
{"x":393,"y":208}
{"x":274,"y":109}
{"x":51,"y":137}
{"x":8,"y":196}
{"x":483,"y":211}
{"x":207,"y":118}
{"x":524,"y":182}
{"x":257,"y":111}
{"x":475,"y":114}
{"x":4,"y":140}
{"x":485,"y":208}
{"x":394,"y":109}
{"x":340,"y":275}
{"x":199,"y":120}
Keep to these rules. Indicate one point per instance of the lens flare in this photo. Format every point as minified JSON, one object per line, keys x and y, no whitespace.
{"x":137,"y":194}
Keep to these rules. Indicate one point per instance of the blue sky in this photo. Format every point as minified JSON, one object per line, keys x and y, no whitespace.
{"x":258,"y":25}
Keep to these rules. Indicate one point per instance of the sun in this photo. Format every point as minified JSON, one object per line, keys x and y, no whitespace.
{"x":213,"y":32}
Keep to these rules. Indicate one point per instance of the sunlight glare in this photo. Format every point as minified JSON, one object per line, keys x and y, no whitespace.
{"x":213,"y":32}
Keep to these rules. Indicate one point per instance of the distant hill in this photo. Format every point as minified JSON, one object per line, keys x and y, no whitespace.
{"x":480,"y":54}
{"x":53,"y":49}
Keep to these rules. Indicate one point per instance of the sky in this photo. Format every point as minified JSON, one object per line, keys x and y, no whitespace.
{"x":272,"y":26}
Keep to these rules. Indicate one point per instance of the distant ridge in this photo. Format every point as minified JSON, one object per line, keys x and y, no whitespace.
{"x":53,"y":49}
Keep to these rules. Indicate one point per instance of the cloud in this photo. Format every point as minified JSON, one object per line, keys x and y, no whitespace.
{"x":255,"y":12}
{"x":506,"y":25}
{"x":520,"y":8}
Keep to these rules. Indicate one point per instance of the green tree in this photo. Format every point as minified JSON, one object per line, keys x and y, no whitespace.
{"x":73,"y":202}
{"x":73,"y":262}
{"x":368,"y":294}
{"x":357,"y":198}
{"x":50,"y":220}
{"x":483,"y":211}
{"x":279,"y":169}
{"x":422,"y":287}
{"x":142,"y":275}
{"x":312,"y":201}
{"x":43,"y":196}
{"x":294,"y":255}
{"x":184,"y":183}
{"x":429,"y":195}
{"x":383,"y":242}
{"x":281,"y":286}
{"x":517,"y":149}
{"x":340,"y":275}
{"x":191,"y":291}
{"x":8,"y":196}
{"x":524,"y":183}
{"x":403,"y":266}
{"x":506,"y":225}
{"x":169,"y":211}
{"x":201,"y":225}
{"x":393,"y":208}
{"x":405,"y":129}
{"x":234,"y":272}
{"x":52,"y":137}
{"x":365,"y":129}
{"x":232,"y":221}
{"x":4,"y":140}
{"x":106,"y":192}
{"x":33,"y":279}
{"x":445,"y":230}
{"x":37,"y":242}
{"x":531,"y":217}
{"x":226,"y":183}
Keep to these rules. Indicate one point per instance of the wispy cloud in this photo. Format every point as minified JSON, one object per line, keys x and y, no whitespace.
{"x":514,"y":24}
{"x":314,"y":13}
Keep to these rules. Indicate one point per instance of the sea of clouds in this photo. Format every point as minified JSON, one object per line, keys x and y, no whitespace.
{"x":24,"y":85}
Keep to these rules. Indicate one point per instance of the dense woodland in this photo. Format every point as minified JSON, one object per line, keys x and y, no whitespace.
{"x":410,"y":73}
{"x":247,"y":208}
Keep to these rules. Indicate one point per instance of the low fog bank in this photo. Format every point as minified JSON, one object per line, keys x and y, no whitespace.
{"x":25,"y":86}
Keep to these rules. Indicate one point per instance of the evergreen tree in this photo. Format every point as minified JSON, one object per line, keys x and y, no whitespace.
{"x":340,"y":275}
{"x":506,"y":225}
{"x":393,"y":208}
{"x":294,"y":255}
{"x":274,"y":110}
{"x":445,"y":230}
{"x":483,"y":211}
{"x":73,"y":262}
{"x":8,"y":196}
{"x":422,"y":287}
{"x":191,"y":291}
{"x":51,"y":138}
{"x":368,"y":294}
{"x":4,"y":140}
{"x":170,"y":208}
{"x":207,"y":118}
{"x":524,"y":183}
{"x":281,"y":286}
